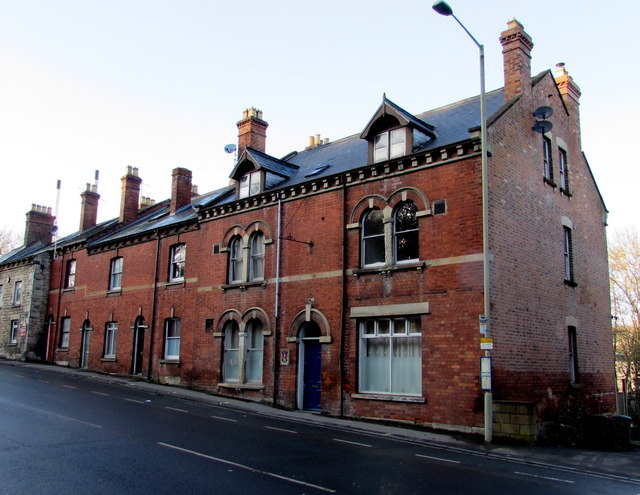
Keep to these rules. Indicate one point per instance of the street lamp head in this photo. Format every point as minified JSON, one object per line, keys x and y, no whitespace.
{"x":442,"y":8}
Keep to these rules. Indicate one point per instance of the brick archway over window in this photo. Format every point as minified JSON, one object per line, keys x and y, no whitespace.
{"x":306,"y":316}
{"x":379,"y":202}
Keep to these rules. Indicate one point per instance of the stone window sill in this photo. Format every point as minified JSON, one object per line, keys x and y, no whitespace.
{"x":108,"y":359}
{"x":550,"y":182}
{"x":242,"y":286}
{"x":114,"y":292}
{"x":244,"y":386}
{"x":387,"y":271}
{"x":391,"y":398}
{"x":68,"y":290}
{"x":170,"y":361}
{"x":570,"y":283}
{"x":171,"y":284}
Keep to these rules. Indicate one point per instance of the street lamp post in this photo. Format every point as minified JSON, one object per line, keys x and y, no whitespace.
{"x":443,"y":8}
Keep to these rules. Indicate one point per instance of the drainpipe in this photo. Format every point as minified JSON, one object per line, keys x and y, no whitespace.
{"x":343,"y":306}
{"x":153,"y":309}
{"x":276,"y":332}
{"x":57,"y":320}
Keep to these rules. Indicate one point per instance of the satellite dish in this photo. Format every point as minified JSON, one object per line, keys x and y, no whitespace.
{"x":230,"y":148}
{"x":542,"y":126}
{"x":543,"y":112}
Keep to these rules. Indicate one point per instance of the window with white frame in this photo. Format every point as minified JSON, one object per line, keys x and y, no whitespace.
{"x":172,"y":338}
{"x":70,"y":275}
{"x":256,"y":256}
{"x":568,"y":255}
{"x":391,"y":356}
{"x":110,"y":333}
{"x":243,"y":352}
{"x":231,"y":357}
{"x":405,"y":232}
{"x":573,"y":355}
{"x":17,"y":293}
{"x":178,"y":254}
{"x":115,"y":273}
{"x":254,"y":340}
{"x":65,"y":330}
{"x":389,"y":144}
{"x":547,"y":158}
{"x":250,"y":184}
{"x":13,"y":336}
{"x":396,"y":245}
{"x":564,"y":170}
{"x":235,"y":260}
{"x":373,"y":238}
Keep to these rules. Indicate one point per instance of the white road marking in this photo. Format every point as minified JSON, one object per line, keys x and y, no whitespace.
{"x":71,"y":419}
{"x":70,"y":386}
{"x":545,"y":477}
{"x":352,"y":443}
{"x":437,"y":459}
{"x":176,"y":409}
{"x":19,"y":376}
{"x":280,"y":429}
{"x":248,"y":468}
{"x":134,"y":400}
{"x":99,"y":393}
{"x":224,"y":419}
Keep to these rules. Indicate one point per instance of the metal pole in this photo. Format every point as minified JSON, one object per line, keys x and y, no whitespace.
{"x":443,"y":8}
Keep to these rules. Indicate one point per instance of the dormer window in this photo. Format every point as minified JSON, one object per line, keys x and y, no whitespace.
{"x":250,"y":184}
{"x":389,"y":144}
{"x":394,"y":133}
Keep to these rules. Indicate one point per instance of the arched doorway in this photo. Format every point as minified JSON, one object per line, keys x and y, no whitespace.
{"x":85,"y":344}
{"x":309,"y":367}
{"x":138,"y":345}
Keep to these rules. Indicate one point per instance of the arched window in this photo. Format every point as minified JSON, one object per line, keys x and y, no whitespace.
{"x":372,"y":238}
{"x":253,"y":355}
{"x":256,"y":255}
{"x":405,"y":232}
{"x":231,"y":358}
{"x":235,"y":260}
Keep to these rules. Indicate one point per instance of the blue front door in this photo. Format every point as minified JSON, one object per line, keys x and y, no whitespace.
{"x":312,"y":375}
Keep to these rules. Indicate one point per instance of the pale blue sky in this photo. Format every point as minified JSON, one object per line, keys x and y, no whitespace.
{"x":93,"y":84}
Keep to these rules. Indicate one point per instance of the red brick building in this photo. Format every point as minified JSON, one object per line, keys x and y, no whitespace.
{"x":348,"y":278}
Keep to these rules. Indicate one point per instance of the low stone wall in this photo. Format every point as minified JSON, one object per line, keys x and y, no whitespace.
{"x":515,"y":421}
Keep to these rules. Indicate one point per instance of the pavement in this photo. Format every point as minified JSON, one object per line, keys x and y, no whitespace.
{"x":623,"y":466}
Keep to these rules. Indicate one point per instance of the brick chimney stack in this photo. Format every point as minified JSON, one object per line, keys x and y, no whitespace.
{"x":130,"y":198}
{"x":180,"y":189}
{"x":39,"y":225}
{"x":252,"y":131}
{"x":89,"y":208}
{"x":516,"y":52}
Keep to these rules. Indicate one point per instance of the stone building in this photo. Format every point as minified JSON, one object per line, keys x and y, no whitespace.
{"x":24,"y":284}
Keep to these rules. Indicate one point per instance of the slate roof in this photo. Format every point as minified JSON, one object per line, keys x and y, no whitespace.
{"x":449,"y":125}
{"x":452,"y":124}
{"x":21,"y":252}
